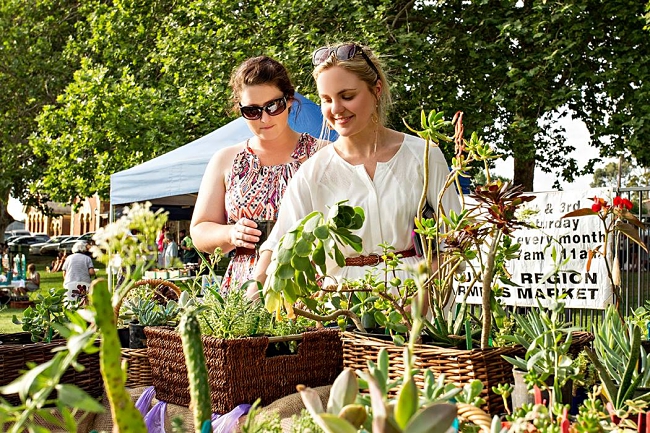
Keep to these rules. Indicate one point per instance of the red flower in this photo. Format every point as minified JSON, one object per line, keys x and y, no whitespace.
{"x":621,"y":203}
{"x":599,"y":203}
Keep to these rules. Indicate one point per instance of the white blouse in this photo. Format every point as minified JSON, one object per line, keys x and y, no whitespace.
{"x":390,"y":200}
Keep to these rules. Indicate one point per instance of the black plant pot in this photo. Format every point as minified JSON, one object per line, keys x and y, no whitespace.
{"x":123,"y":334}
{"x":379,"y":333}
{"x":137,"y":337}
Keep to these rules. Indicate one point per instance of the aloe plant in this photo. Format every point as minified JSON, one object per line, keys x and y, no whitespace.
{"x":547,"y":339}
{"x":621,"y":362}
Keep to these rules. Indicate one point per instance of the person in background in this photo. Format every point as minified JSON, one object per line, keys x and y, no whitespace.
{"x":160,"y":242}
{"x":171,"y":250}
{"x":33,"y":281}
{"x":187,"y":246}
{"x":245,"y":183}
{"x":78,"y":271}
{"x":369,"y":165}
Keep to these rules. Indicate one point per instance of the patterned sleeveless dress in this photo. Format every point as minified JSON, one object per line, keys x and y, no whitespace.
{"x":254,"y":191}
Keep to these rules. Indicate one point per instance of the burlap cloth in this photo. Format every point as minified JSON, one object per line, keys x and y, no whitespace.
{"x":286,"y":407}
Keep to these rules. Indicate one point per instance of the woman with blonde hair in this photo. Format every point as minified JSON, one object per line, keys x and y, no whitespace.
{"x":369,"y":165}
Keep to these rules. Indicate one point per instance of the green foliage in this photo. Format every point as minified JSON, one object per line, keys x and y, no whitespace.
{"x":49,"y":309}
{"x":547,"y":337}
{"x":149,"y":312}
{"x":196,"y":368}
{"x":622,"y":364}
{"x":235,"y":316}
{"x":35,"y":70}
{"x":155,"y":76}
{"x":258,"y":422}
{"x":305,"y":249}
{"x":303,"y":422}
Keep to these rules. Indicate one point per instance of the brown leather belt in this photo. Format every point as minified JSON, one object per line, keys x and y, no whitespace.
{"x":239,"y":251}
{"x":374,"y":259}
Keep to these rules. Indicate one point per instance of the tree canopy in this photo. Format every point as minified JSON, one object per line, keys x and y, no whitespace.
{"x":107,"y":85}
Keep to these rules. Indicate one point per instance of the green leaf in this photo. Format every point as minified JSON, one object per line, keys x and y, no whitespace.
{"x":333,"y":424}
{"x":300,"y":263}
{"x":303,"y":248}
{"x":73,"y":396}
{"x":322,"y":232}
{"x":407,"y":403}
{"x":343,"y":392}
{"x":340,"y":259}
{"x":284,"y":255}
{"x":436,"y":418}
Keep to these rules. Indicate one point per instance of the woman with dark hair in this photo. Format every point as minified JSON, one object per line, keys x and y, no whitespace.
{"x":244,"y":184}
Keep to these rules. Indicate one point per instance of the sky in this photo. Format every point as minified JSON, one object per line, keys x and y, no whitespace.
{"x":577,"y":135}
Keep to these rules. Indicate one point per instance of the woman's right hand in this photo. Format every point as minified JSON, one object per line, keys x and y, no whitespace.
{"x":244,"y":234}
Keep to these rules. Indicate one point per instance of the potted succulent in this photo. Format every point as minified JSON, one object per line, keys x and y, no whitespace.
{"x":146,"y":311}
{"x":547,"y":364}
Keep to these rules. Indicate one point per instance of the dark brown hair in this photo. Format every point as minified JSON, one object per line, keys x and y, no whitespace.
{"x":258,"y":71}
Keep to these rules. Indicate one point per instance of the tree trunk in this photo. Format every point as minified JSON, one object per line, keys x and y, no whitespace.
{"x":524,"y":172}
{"x":5,"y":217}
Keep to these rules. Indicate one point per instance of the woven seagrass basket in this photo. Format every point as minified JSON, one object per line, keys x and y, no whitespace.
{"x":17,"y":350}
{"x":138,"y":368}
{"x":458,"y":366}
{"x":239,"y":370}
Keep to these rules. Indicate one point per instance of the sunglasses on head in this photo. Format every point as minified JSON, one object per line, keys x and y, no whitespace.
{"x":273,"y":108}
{"x":341,"y":52}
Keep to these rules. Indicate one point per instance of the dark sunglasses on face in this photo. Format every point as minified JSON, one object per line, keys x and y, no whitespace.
{"x":342,"y":52}
{"x":273,"y":108}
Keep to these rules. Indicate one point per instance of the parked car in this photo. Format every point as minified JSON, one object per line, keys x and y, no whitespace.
{"x":35,"y":249}
{"x":42,"y":237}
{"x":16,"y":233}
{"x":23,"y":240}
{"x":52,"y":249}
{"x":67,"y":245}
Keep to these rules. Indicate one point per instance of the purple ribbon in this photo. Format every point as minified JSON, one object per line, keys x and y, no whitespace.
{"x":154,"y":417}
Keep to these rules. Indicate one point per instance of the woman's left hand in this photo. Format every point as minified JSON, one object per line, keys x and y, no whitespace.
{"x":243,"y":234}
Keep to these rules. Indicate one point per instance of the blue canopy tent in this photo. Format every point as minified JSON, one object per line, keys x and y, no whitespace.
{"x":172,"y":180}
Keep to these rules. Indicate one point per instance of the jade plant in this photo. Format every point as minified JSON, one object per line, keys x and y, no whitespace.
{"x":49,"y":310}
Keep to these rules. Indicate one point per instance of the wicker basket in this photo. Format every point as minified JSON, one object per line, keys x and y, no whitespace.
{"x":17,"y":350}
{"x":138,"y":368}
{"x":579,"y":341}
{"x":239,"y":369}
{"x":458,"y":366}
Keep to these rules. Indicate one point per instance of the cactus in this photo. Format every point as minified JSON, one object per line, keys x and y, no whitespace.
{"x":196,"y":369}
{"x":126,"y":418}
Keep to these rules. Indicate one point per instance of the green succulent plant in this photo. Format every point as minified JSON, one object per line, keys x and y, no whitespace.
{"x":148,"y":312}
{"x":49,"y":309}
